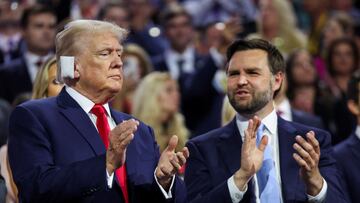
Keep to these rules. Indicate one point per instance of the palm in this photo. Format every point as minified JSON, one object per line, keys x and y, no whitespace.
{"x":251,"y":155}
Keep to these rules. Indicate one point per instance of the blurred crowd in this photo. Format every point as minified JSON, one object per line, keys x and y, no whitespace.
{"x":174,"y":58}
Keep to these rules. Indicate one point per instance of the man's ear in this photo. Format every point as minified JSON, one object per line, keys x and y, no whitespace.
{"x":77,"y":68}
{"x":278,"y":80}
{"x":353,"y":107}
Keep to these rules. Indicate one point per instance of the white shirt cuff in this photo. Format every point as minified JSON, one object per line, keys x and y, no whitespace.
{"x":167,"y":195}
{"x":319,"y":198}
{"x":109,"y":179}
{"x":235,"y":194}
{"x":217,"y":57}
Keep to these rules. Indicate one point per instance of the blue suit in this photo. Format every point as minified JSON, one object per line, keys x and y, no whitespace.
{"x":56,"y":155}
{"x":201,"y":103}
{"x":215,"y":157}
{"x":306,"y":119}
{"x":347,"y":155}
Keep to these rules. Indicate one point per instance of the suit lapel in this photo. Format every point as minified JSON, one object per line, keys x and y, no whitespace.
{"x":229,"y":146}
{"x":289,"y":169}
{"x":80,"y":121}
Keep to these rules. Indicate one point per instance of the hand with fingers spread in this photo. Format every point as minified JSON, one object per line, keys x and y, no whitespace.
{"x":307,"y":156}
{"x":170,"y":162}
{"x":119,"y":138}
{"x":251,"y":155}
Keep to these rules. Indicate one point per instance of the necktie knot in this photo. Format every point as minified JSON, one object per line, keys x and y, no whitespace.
{"x":39,"y":63}
{"x":98,"y":110}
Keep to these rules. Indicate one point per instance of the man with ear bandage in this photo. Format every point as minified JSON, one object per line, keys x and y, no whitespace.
{"x":74,"y":147}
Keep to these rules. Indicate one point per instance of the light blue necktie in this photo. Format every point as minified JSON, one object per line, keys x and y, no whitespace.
{"x":269,"y":189}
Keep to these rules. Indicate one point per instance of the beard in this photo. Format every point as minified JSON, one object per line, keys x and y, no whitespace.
{"x":257,"y":101}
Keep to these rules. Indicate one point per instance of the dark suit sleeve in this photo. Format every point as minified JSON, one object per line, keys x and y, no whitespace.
{"x":153,"y":193}
{"x":198,"y":180}
{"x":37,"y":176}
{"x":329,"y":171}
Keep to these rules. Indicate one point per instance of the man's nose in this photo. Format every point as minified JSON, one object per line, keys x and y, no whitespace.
{"x":242,"y":80}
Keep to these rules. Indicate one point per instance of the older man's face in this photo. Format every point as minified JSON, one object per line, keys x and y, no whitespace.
{"x":100,"y":65}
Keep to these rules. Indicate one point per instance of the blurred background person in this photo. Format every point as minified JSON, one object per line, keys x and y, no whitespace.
{"x":117,"y":13}
{"x":136,"y":66}
{"x":144,"y":31}
{"x":10,"y":32}
{"x":347,"y":153}
{"x":46,"y":84}
{"x":277,"y":23}
{"x":305,"y":91}
{"x":342,"y":62}
{"x":38,"y":25}
{"x":156,"y":102}
{"x":338,"y":25}
{"x":201,"y":93}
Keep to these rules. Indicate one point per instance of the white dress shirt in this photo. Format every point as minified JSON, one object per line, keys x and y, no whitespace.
{"x":31,"y":60}
{"x":285,"y":108}
{"x":172,"y":57}
{"x":86,"y":104}
{"x":270,"y":129}
{"x":357,"y":131}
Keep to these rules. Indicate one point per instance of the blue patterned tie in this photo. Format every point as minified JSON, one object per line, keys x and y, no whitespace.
{"x":269,"y":188}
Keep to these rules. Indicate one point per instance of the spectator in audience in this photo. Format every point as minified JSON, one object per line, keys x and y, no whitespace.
{"x":143,"y":30}
{"x":74,"y":148}
{"x":156,"y":103}
{"x":277,"y":24}
{"x":137,"y":65}
{"x":342,"y":62}
{"x":46,"y":83}
{"x":201,"y":93}
{"x":227,"y":113}
{"x":116,"y":13}
{"x":339,"y":25}
{"x":347,"y":153}
{"x":319,"y":14}
{"x":38,"y":26}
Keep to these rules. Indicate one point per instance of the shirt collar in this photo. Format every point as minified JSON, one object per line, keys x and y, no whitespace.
{"x":188,"y":53}
{"x":357,"y":132}
{"x":285,"y":108}
{"x":85,"y":103}
{"x":269,"y":121}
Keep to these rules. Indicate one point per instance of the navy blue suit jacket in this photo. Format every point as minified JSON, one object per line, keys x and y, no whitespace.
{"x":306,"y":119}
{"x":201,"y":103}
{"x":215,"y":157}
{"x":14,"y":79}
{"x":347,"y":155}
{"x":56,"y":155}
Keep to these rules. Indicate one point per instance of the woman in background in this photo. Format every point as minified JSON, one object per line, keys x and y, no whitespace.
{"x":46,"y":84}
{"x":137,"y":64}
{"x":156,"y":102}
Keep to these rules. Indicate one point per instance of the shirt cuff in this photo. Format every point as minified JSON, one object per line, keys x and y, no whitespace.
{"x":319,"y":198}
{"x":235,"y":194}
{"x":167,"y":195}
{"x":109,"y":179}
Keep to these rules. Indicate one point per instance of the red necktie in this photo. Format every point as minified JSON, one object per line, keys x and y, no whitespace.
{"x":104,"y":130}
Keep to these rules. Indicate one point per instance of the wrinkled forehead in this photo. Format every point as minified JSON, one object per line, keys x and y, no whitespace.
{"x":96,"y":40}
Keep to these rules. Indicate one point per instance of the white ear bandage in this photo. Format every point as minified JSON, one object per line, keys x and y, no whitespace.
{"x":67,"y":64}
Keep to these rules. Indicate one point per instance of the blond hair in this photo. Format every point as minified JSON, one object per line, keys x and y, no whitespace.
{"x":147,"y":109}
{"x":228,"y":112}
{"x":73,"y":38}
{"x":40,"y":89}
{"x":289,"y":36}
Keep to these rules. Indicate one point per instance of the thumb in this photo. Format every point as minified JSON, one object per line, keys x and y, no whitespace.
{"x":172,"y":143}
{"x":263,"y":143}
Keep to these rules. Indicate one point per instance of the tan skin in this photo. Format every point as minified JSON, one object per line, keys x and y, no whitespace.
{"x":99,"y":77}
{"x":248,"y":72}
